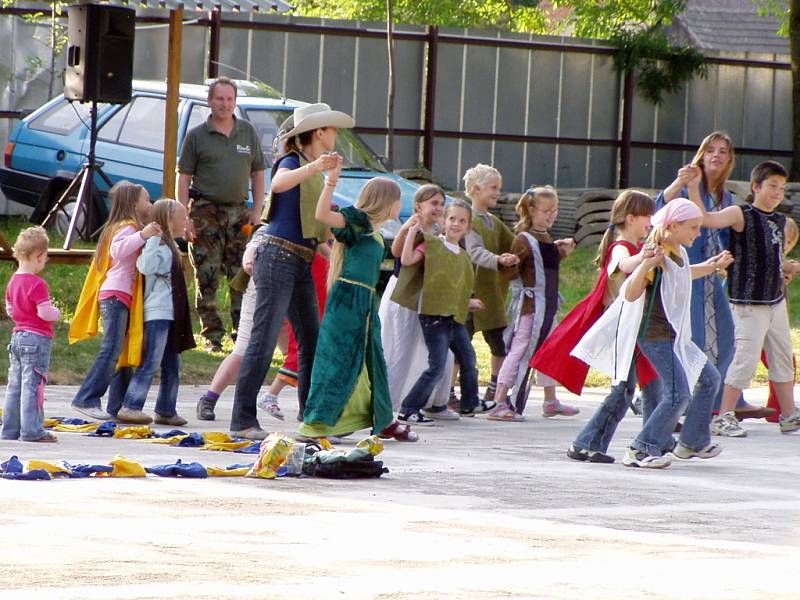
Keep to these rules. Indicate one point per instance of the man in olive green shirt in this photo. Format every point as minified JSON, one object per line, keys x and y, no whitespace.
{"x":220,"y":159}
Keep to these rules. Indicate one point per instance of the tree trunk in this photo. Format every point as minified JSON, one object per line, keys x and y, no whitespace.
{"x":794,"y":44}
{"x":390,"y":100}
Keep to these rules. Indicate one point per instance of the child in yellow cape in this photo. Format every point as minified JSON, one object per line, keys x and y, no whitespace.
{"x":113,"y":291}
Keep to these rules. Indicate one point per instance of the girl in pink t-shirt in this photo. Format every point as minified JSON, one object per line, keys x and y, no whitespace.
{"x":28,"y":304}
{"x":113,"y":286}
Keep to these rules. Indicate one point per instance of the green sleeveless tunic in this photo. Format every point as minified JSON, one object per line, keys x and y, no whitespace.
{"x":444,"y":280}
{"x":490,"y":286}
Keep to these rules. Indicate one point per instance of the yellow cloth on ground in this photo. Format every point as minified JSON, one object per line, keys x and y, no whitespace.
{"x":86,"y":428}
{"x":124,"y":468}
{"x":85,"y":323}
{"x":357,"y":413}
{"x":220,"y":472}
{"x":216,"y":437}
{"x":48,"y":422}
{"x":135,"y":432}
{"x":51,"y":468}
{"x":226,"y":446}
{"x":172,"y":441}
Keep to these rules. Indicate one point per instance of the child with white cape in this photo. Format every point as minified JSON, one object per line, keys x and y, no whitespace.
{"x":652,"y":308}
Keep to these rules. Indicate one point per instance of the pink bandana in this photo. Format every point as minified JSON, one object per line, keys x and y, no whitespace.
{"x":676,"y":210}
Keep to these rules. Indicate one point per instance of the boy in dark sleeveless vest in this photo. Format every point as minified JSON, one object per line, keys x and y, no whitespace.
{"x":755,"y":288}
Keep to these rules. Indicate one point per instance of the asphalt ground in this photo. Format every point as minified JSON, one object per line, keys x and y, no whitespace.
{"x":475,"y":509}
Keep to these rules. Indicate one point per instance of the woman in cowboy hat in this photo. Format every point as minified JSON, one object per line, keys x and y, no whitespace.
{"x":281,"y":269}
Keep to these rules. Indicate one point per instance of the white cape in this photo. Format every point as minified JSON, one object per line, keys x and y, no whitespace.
{"x":609,"y":344}
{"x":405,"y":351}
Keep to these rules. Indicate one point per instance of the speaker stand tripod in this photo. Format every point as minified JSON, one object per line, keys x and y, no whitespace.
{"x":84,"y":202}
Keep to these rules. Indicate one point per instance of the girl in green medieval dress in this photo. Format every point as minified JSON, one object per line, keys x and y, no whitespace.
{"x":349,"y":389}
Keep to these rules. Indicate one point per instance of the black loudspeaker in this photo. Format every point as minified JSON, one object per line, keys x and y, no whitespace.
{"x":100,"y":53}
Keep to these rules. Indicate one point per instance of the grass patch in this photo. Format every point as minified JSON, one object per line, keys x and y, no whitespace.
{"x":70,"y":363}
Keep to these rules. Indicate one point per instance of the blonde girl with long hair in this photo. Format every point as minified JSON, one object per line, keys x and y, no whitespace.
{"x":534,"y":304}
{"x":112,"y":293}
{"x":167,"y":322}
{"x":349,"y":388}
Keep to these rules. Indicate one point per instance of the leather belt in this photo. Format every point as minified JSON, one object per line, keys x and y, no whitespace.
{"x":304,"y":252}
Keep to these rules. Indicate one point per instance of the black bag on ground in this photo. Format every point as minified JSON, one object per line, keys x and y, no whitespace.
{"x":356,"y":469}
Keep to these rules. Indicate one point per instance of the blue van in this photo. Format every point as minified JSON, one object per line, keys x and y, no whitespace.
{"x":48,"y":147}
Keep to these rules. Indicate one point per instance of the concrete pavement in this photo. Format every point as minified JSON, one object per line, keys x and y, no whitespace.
{"x":475,"y":509}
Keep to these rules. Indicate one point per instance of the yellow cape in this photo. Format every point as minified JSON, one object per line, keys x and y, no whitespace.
{"x":87,"y":314}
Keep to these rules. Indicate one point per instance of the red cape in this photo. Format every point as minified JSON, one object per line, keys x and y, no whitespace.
{"x":553,"y":357}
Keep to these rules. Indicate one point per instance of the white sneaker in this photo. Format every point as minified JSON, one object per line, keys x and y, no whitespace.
{"x":637,"y":458}
{"x":685,"y":453}
{"x":727,"y":425}
{"x":93,"y":412}
{"x":791,"y":422}
{"x":269,"y":404}
{"x":444,"y":415}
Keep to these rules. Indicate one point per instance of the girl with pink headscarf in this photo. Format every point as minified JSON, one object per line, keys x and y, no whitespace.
{"x":653,"y":308}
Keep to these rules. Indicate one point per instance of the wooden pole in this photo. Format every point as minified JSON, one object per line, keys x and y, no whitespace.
{"x":173,"y":98}
{"x":430,"y":96}
{"x":213,"y":43}
{"x":390,"y":99}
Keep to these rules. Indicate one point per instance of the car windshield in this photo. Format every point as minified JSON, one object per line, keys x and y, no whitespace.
{"x":357,"y":155}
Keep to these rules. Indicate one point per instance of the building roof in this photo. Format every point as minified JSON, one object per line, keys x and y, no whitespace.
{"x":728,"y":25}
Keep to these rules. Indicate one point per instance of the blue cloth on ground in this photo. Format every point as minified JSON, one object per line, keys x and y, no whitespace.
{"x":12,"y":469}
{"x":12,"y":465}
{"x":193,"y":440}
{"x":193,"y":470}
{"x":106,"y":429}
{"x":80,"y":471}
{"x":168,"y":434}
{"x":253,"y":448}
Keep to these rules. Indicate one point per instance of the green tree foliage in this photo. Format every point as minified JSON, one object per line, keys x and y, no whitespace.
{"x":637,"y":29}
{"x":504,"y":14}
{"x":776,"y":8}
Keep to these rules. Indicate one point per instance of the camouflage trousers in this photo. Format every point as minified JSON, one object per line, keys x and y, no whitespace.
{"x":217,"y":250}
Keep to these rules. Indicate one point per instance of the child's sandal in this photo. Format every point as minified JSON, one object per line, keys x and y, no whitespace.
{"x":399,"y":431}
{"x":504,"y":413}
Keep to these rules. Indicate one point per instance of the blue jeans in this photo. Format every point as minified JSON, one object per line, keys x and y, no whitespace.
{"x":104,"y":372}
{"x":726,"y":343}
{"x":655,"y":438}
{"x":29,"y":361}
{"x":156,"y":352}
{"x":441,"y":334}
{"x":598,"y":432}
{"x":283,"y":288}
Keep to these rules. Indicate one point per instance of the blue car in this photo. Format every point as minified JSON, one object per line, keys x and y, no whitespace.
{"x":48,"y":147}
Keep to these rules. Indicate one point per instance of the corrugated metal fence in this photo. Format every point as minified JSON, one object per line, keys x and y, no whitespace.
{"x":541,"y":109}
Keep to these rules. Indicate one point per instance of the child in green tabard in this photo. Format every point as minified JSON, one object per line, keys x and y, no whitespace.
{"x":442,"y":298}
{"x":489,"y":247}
